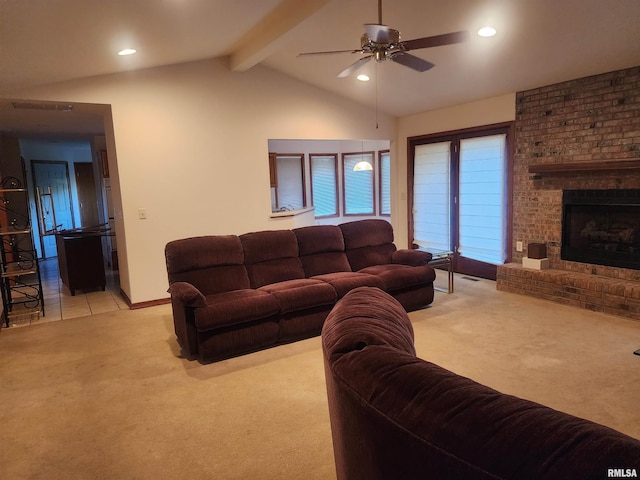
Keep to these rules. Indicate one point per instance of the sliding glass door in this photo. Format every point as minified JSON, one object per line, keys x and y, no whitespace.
{"x":460,"y":197}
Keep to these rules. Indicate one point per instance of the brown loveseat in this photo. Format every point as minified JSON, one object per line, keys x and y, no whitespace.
{"x":235,"y":294}
{"x":394,"y":415}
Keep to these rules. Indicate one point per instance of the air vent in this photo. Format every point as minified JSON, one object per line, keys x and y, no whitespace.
{"x":57,"y":107}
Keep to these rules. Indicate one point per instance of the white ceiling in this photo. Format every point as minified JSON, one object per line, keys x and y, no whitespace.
{"x":539,"y":42}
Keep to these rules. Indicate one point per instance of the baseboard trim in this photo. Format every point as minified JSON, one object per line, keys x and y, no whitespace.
{"x":150,"y":303}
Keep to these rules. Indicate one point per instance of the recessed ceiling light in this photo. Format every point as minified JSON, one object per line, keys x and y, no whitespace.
{"x":127,"y":51}
{"x":487,"y":32}
{"x":363,"y":78}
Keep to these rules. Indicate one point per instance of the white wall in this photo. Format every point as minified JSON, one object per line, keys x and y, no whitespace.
{"x":189,"y":144}
{"x":483,"y":112}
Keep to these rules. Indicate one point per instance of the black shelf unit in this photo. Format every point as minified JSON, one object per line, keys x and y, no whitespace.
{"x":20,"y":279}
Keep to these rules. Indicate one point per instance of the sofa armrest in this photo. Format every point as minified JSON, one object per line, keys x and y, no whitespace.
{"x":414,"y":258}
{"x":189,"y":295}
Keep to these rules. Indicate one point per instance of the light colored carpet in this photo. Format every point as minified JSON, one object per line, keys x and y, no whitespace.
{"x":107,"y":396}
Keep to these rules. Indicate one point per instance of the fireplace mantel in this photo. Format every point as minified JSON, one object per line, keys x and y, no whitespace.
{"x":584,"y":167}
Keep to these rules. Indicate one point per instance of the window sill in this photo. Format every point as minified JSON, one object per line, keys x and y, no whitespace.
{"x":291,"y":213}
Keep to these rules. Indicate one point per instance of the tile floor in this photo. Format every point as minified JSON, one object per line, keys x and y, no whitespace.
{"x":60,"y":304}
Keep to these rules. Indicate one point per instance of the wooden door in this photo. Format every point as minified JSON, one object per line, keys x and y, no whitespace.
{"x":87,"y":198}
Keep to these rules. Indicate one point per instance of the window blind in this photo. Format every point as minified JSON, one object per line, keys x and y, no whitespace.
{"x":290,"y":193}
{"x":358,"y":186}
{"x":431,"y":196}
{"x":385,"y":183}
{"x":481,"y":198}
{"x":324,"y":184}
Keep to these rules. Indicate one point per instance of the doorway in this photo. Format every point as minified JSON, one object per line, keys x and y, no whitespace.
{"x":86,"y":188}
{"x":53,"y":201}
{"x":460,"y":187}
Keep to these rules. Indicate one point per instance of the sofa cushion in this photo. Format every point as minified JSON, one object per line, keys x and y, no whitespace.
{"x":322,"y":263}
{"x":271,"y":257}
{"x":201,"y":252}
{"x":211,"y":263}
{"x":368,"y":242}
{"x":344,"y":282}
{"x":360,"y":258}
{"x":366,"y":233}
{"x":234,"y":307}
{"x":321,"y":250}
{"x":300,"y":294}
{"x":319,"y":239}
{"x":398,"y":277}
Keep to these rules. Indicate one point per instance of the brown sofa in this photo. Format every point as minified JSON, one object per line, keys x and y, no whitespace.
{"x":394,"y":415}
{"x":236,"y":294}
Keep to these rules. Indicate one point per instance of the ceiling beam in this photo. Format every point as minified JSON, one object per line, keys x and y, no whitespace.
{"x":261,"y":40}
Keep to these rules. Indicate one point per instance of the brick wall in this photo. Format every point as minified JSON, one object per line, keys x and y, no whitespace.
{"x":585,"y":120}
{"x":593,"y":119}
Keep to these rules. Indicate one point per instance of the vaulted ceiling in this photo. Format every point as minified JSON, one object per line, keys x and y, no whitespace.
{"x":538,"y":42}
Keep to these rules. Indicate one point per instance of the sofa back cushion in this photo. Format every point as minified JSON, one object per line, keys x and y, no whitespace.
{"x":368,"y":242}
{"x":321,"y":250}
{"x":212,"y":264}
{"x":271,"y":257}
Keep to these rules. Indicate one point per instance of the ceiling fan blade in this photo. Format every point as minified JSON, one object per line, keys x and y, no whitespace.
{"x":381,"y":33}
{"x":329,"y":52}
{"x":411,"y":61}
{"x":355,"y":66}
{"x":436,"y":40}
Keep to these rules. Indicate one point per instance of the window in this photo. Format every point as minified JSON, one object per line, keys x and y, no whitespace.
{"x":289,"y":190}
{"x":324,"y":184}
{"x":358,"y":183}
{"x":385,"y":182}
{"x":318,"y":176}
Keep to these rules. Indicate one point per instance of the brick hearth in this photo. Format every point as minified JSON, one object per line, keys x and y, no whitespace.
{"x":593,"y":292}
{"x":592,"y":119}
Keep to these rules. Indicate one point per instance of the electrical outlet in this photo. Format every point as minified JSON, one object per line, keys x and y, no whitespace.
{"x":519,"y":247}
{"x":142,"y":213}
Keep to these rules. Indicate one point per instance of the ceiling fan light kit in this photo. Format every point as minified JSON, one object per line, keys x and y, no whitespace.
{"x":381,"y":43}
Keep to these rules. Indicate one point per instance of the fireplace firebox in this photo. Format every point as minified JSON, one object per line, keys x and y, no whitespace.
{"x":601,"y":227}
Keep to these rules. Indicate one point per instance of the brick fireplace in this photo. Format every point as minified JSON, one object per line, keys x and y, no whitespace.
{"x":582,"y":134}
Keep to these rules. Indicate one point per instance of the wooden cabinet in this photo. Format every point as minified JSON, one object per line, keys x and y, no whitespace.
{"x":80,"y":261}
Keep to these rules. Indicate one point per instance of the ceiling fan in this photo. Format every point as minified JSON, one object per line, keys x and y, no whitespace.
{"x":382,"y":43}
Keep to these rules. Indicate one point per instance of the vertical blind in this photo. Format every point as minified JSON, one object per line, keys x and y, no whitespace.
{"x":358,"y":186}
{"x":431,"y":196}
{"x":324,"y":185}
{"x":481,"y":217}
